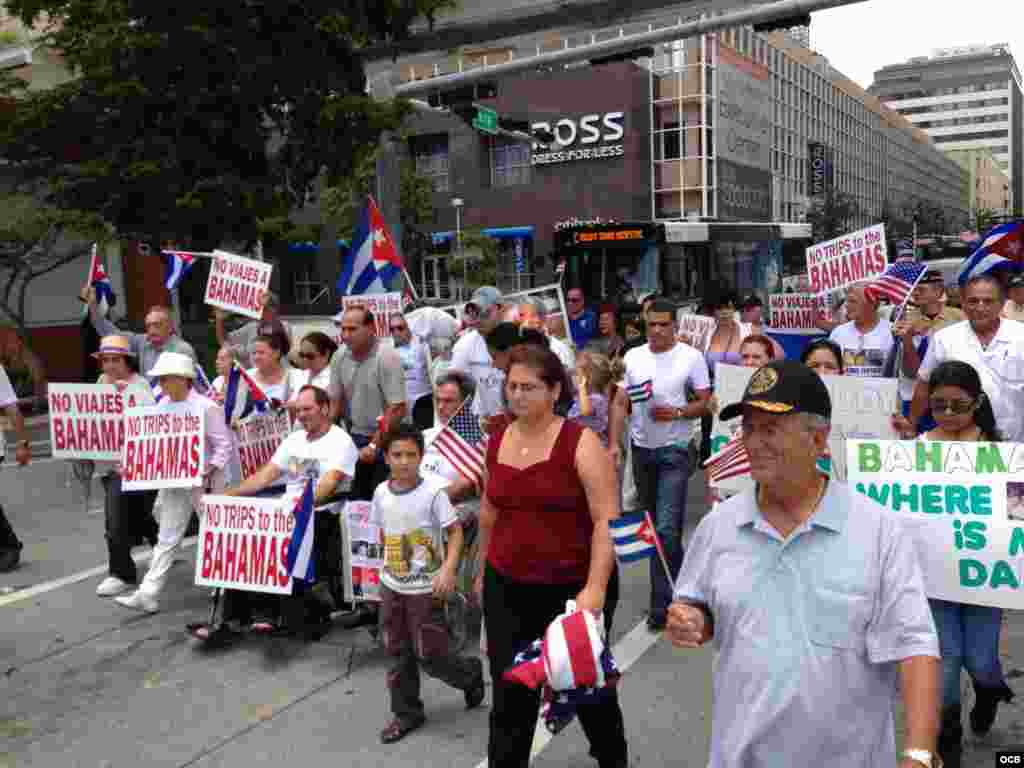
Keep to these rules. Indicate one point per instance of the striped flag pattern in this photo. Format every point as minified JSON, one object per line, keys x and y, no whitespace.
{"x":462,"y":442}
{"x":640,"y":393}
{"x":177,"y":264}
{"x":242,"y":395}
{"x":897,"y":281}
{"x":731,"y":461}
{"x":632,"y":538}
{"x":100,"y":282}
{"x":300,"y":561}
{"x":202,"y":383}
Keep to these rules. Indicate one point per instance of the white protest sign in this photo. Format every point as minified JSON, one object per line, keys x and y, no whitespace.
{"x":364,"y":544}
{"x":963,"y":503}
{"x":87,"y":420}
{"x":849,"y":259}
{"x":383,"y":305}
{"x":243,"y":544}
{"x":694,"y":330}
{"x":862,"y":408}
{"x":259,"y":435}
{"x":164,"y":447}
{"x":794,"y":313}
{"x":238,"y":284}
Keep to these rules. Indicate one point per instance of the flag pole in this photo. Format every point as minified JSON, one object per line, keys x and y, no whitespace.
{"x":412,"y":288}
{"x":657,"y":545}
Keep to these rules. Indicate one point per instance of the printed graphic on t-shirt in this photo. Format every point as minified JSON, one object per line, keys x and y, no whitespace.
{"x":411,"y":557}
{"x":302,"y":470}
{"x":863,"y":362}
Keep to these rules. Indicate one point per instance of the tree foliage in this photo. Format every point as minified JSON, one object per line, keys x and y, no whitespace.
{"x":833,"y":215}
{"x":199,"y":122}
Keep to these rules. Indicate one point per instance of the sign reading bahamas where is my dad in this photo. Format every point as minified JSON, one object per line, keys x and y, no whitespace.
{"x":237,"y":284}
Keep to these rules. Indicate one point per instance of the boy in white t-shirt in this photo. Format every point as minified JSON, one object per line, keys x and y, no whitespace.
{"x":413,"y":515}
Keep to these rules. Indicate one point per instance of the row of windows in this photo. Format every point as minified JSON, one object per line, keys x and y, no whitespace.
{"x":954,"y":106}
{"x":991,"y":85}
{"x":965,"y":121}
{"x":974,"y":136}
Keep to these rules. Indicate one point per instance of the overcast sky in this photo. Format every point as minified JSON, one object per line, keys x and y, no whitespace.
{"x":861,"y":38}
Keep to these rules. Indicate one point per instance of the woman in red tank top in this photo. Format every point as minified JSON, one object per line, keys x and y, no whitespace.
{"x":544,"y":539}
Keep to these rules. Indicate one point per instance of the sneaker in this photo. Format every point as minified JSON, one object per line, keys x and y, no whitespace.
{"x":112,"y":586}
{"x":138,"y":601}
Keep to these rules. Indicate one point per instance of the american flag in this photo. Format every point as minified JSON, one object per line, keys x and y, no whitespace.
{"x":731,"y":461}
{"x":463,"y":443}
{"x":897,"y":281}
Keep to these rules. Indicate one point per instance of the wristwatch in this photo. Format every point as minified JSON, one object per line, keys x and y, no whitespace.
{"x":922,"y":756}
{"x":679,"y":414}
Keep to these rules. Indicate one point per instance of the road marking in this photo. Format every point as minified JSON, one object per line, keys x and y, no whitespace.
{"x":630,"y":647}
{"x":49,"y":586}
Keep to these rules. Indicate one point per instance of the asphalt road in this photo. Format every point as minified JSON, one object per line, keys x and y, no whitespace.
{"x":87,"y":684}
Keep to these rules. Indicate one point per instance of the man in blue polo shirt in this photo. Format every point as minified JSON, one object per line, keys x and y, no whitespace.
{"x":582,"y":321}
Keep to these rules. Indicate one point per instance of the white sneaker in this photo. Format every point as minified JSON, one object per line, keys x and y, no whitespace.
{"x":139,"y":601}
{"x":111,"y":586}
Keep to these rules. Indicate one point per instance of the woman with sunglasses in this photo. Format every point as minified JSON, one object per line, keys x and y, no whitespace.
{"x":968,"y":634}
{"x":315,"y":352}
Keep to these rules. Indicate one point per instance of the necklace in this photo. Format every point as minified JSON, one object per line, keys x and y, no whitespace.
{"x":523,"y":451}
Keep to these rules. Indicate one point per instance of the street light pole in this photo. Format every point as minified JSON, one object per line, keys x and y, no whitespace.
{"x":457,"y":204}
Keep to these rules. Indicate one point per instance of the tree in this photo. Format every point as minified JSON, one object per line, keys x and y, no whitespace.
{"x":832,"y":215}
{"x":477,"y":259}
{"x":203,"y":123}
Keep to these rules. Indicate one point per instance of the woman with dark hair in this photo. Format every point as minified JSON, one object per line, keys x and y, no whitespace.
{"x":315,"y":352}
{"x":544,"y":540}
{"x":824,"y":357}
{"x":968,"y":634}
{"x":609,"y":341}
{"x":269,"y":371}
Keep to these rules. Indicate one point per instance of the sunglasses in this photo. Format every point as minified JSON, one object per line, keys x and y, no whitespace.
{"x":958,"y":407}
{"x":308,"y":355}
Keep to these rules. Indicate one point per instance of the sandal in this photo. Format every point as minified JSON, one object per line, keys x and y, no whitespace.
{"x":219,"y":635}
{"x":263,"y":627}
{"x":397,"y":730}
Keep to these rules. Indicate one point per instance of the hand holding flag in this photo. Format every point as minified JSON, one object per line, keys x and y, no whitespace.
{"x":100,"y":282}
{"x":897,"y":281}
{"x":463,"y":443}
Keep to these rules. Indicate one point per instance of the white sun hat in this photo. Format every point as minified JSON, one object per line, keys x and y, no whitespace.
{"x":173,"y":364}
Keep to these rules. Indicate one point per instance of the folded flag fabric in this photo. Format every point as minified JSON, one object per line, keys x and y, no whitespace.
{"x":300,"y":561}
{"x":731,"y":461}
{"x":897,"y":281}
{"x":632,"y":538}
{"x":640,"y":393}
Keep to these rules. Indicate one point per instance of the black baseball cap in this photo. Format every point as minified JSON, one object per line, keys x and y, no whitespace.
{"x":783,"y":386}
{"x":753,"y":300}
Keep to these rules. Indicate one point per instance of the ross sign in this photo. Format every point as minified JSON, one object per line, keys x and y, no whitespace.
{"x":243,"y":544}
{"x":576,"y":139}
{"x":794,"y":313}
{"x":163,"y":447}
{"x":364,"y":542}
{"x":820,"y":169}
{"x":486,"y":120}
{"x":238,"y":284}
{"x":87,"y":420}
{"x":383,"y":305}
{"x":744,"y":193}
{"x":743,"y":134}
{"x":694,"y":330}
{"x":963,"y":504}
{"x":849,"y":259}
{"x":862,"y":408}
{"x":259,"y":435}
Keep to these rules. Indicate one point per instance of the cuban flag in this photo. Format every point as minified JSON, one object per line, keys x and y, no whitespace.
{"x":100,"y":282}
{"x":640,"y":393}
{"x":301,"y":563}
{"x":373,"y":260}
{"x":202,"y":383}
{"x":1002,"y":248}
{"x":243,"y":396}
{"x":177,"y":264}
{"x":632,"y":538}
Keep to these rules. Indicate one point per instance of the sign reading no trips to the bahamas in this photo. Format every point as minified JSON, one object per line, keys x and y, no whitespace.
{"x":849,"y":259}
{"x":238,"y":284}
{"x":259,"y":435}
{"x":163,"y":447}
{"x":87,"y":420}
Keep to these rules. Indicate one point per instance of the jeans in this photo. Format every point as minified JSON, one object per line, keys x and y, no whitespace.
{"x":129,"y":519}
{"x":661,"y":476}
{"x":968,"y":638}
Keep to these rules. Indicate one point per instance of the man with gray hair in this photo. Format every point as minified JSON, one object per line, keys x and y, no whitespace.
{"x":532,"y":314}
{"x":866,"y":340}
{"x":241,"y":341}
{"x":813,"y":596}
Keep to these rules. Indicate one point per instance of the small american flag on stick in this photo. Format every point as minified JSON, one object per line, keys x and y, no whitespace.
{"x":463,"y":443}
{"x":898,"y":280}
{"x":731,"y":461}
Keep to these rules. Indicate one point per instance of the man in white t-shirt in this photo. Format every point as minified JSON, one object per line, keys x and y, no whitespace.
{"x":10,"y":546}
{"x":654,"y":394}
{"x":470,"y":353}
{"x":866,"y":340}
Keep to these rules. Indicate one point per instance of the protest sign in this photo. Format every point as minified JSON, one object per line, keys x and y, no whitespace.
{"x":553,"y":298}
{"x":238,"y":284}
{"x":365,"y":545}
{"x":164,"y":446}
{"x":243,"y":544}
{"x":861,"y":408}
{"x":259,"y":435}
{"x":963,"y":504}
{"x":794,"y":313}
{"x":383,"y":305}
{"x":87,"y":420}
{"x":849,"y":259}
{"x":694,"y":330}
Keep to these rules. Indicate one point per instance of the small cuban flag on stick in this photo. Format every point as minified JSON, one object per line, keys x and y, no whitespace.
{"x":301,"y":563}
{"x":100,"y":282}
{"x":640,"y":393}
{"x":177,"y":264}
{"x":635,"y":538}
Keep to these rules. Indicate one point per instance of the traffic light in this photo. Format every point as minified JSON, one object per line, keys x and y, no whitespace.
{"x":786,"y":22}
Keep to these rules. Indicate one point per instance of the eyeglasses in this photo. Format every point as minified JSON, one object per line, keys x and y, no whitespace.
{"x":526,"y":389}
{"x":308,"y":355}
{"x":959,"y":407}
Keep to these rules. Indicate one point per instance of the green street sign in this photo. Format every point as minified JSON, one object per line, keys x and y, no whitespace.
{"x":486,"y":120}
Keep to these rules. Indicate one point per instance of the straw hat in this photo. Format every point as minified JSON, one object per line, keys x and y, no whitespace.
{"x":173,"y":364}
{"x":114,"y":345}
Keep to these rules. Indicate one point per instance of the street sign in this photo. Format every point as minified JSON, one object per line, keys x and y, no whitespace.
{"x":486,"y":120}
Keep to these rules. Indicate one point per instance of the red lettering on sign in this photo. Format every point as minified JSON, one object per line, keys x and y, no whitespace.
{"x":257,"y":558}
{"x":207,"y":550}
{"x":282,"y":573}
{"x":160,"y":469}
{"x":172,"y":455}
{"x":230,"y":556}
{"x":857,"y":262}
{"x":140,"y":460}
{"x":243,"y":560}
{"x":271,"y":574}
{"x":191,"y":468}
{"x":218,"y":557}
{"x":58,"y":434}
{"x":879,"y":259}
{"x":110,"y":434}
{"x":150,"y":446}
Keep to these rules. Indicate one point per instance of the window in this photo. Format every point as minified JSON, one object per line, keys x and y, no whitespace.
{"x":431,"y":156}
{"x":510,"y":163}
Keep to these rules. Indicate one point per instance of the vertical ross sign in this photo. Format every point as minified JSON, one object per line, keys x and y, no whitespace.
{"x":87,"y":420}
{"x":237,"y":284}
{"x":163,"y":447}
